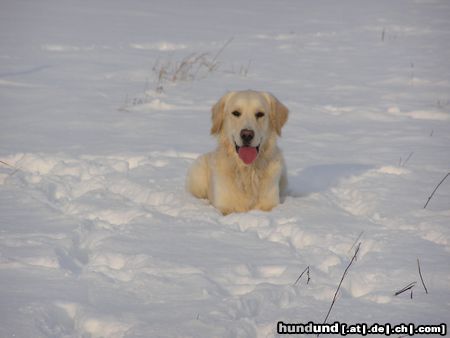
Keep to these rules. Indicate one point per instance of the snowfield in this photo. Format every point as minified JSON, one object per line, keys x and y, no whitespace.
{"x":104,"y":105}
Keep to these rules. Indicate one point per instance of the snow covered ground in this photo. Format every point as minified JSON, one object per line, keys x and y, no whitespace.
{"x":101,"y":118}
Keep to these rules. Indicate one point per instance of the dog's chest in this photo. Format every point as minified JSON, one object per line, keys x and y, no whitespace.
{"x":248,"y":181}
{"x":235,"y":187}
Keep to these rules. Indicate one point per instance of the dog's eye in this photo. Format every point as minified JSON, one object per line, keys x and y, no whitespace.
{"x":236,"y":113}
{"x":259,"y":114}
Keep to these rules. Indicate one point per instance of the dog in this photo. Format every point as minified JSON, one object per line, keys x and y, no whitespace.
{"x":247,"y":170}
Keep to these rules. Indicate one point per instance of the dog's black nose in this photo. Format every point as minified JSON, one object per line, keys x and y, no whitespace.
{"x":247,"y":136}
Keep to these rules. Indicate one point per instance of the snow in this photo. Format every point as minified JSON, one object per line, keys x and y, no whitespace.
{"x":98,"y":237}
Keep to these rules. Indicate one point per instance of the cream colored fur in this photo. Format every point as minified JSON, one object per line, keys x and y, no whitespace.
{"x":221,"y":176}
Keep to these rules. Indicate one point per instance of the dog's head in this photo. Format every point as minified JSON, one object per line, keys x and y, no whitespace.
{"x":247,"y":120}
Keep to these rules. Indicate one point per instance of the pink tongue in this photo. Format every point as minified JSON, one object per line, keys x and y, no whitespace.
{"x":248,"y":154}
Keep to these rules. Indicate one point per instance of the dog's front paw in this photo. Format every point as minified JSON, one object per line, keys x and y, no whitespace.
{"x":266,"y":205}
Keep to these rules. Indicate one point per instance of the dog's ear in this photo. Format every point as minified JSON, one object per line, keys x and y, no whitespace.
{"x":218,"y":113}
{"x":278,"y":113}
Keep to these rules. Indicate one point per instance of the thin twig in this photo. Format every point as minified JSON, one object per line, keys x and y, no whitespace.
{"x":356,"y":240}
{"x":429,"y":198}
{"x":221,"y":50}
{"x":11,"y":166}
{"x":421,"y":278}
{"x":406,"y":288}
{"x":7,"y":164}
{"x":342,"y":279}
{"x":307,"y":271}
{"x":407,"y":159}
{"x":246,"y":69}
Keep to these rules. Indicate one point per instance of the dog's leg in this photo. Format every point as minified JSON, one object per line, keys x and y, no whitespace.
{"x":269,"y":198}
{"x":283,"y":182}
{"x":273,"y":186}
{"x":198,"y":178}
{"x":269,"y":195}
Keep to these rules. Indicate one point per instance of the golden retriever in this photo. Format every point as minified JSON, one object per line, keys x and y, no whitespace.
{"x":247,"y":170}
